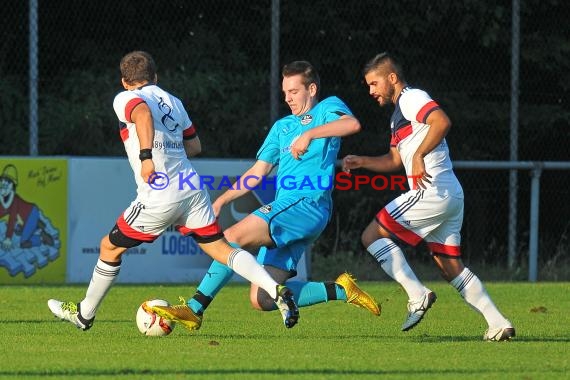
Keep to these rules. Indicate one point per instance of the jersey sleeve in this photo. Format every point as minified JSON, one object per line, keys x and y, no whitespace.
{"x":416,"y":105}
{"x":269,"y":151}
{"x":124,"y":104}
{"x":334,"y":108}
{"x":189,"y":130}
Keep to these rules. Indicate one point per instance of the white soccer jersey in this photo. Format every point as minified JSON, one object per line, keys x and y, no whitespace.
{"x":435,"y":214}
{"x":171,"y":124}
{"x":408,"y":132}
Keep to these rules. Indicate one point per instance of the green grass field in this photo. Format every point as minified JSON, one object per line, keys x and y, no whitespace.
{"x":331,"y":341}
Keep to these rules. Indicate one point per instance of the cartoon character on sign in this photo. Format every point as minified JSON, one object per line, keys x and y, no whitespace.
{"x":27,"y":237}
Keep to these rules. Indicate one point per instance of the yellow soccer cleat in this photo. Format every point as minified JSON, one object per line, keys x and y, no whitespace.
{"x":357,"y":296}
{"x":180,"y":314}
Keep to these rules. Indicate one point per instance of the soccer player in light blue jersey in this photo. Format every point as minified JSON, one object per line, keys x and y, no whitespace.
{"x":304,"y":148}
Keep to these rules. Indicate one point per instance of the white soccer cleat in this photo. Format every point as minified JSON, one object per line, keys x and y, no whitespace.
{"x":69,"y":311}
{"x":499,"y":334}
{"x":417,"y":309}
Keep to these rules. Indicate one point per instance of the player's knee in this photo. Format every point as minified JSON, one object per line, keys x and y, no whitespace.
{"x":106,"y":247}
{"x":253,"y":302}
{"x":449,"y":268}
{"x":230,"y":235}
{"x":373,"y":232}
{"x":368,"y":237}
{"x":263,"y":301}
{"x":109,"y":251}
{"x":235,"y":238}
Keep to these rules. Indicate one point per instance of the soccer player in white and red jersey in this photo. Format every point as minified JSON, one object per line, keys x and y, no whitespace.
{"x":159,"y":137}
{"x":432,"y":210}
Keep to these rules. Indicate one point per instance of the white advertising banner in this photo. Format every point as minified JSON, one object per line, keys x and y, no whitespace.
{"x":99,"y":191}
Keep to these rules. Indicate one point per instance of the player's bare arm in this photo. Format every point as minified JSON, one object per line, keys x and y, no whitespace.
{"x":439,"y":126}
{"x":248,"y":180}
{"x":345,"y":126}
{"x":389,"y":162}
{"x":193,"y":147}
{"x":142,"y":117}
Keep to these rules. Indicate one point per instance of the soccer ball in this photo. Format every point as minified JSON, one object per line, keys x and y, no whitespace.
{"x":151,"y":324}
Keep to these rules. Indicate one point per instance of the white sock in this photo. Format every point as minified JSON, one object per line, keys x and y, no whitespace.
{"x":474,"y":293}
{"x":392,"y":260}
{"x":244,"y":264}
{"x":101,"y":281}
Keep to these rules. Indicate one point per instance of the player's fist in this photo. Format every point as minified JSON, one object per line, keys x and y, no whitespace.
{"x":351,"y":162}
{"x":147,"y":169}
{"x":300,"y":145}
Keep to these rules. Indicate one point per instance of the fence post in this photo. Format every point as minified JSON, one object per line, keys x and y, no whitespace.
{"x":514,"y":135}
{"x":33,"y":75}
{"x":274,"y":89}
{"x":534,"y":213}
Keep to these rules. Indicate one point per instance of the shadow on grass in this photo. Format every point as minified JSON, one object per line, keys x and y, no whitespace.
{"x":442,"y":339}
{"x":418,"y":339}
{"x":423,"y":372}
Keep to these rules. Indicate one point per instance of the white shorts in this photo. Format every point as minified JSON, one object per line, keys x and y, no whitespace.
{"x":191,"y":216}
{"x":421,"y":215}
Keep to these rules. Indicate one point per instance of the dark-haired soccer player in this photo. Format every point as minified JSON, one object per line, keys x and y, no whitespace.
{"x":432,"y":210}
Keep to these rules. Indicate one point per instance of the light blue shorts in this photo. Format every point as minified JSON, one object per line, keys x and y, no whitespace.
{"x":294,"y":224}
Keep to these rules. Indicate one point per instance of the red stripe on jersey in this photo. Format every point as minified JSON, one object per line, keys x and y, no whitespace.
{"x":124,"y":133}
{"x":130,"y":107}
{"x":401,"y":134}
{"x":426,"y":110}
{"x":207,"y":231}
{"x":449,"y":250}
{"x":401,"y":232}
{"x":129,"y":231}
{"x":189,"y":132}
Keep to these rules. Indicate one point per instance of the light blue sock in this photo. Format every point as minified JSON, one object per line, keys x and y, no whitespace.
{"x":215,"y":279}
{"x":312,"y":293}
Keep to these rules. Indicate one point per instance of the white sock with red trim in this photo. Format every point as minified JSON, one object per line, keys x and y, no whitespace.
{"x":101,"y":281}
{"x":244,"y":264}
{"x":392,"y":260}
{"x":475,"y":295}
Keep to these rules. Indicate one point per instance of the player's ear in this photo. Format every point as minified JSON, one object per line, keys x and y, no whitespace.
{"x":124,"y":83}
{"x":313,"y":89}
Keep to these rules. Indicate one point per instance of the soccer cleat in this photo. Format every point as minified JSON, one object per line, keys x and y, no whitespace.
{"x":71,"y":312}
{"x":181,"y":314}
{"x":499,"y":334}
{"x":417,"y":309}
{"x":356,"y":296}
{"x":287,"y":306}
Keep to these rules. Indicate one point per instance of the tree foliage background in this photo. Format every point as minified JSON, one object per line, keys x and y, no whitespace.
{"x":215,"y":55}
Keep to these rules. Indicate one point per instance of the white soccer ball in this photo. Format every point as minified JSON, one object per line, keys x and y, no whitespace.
{"x":151,"y":324}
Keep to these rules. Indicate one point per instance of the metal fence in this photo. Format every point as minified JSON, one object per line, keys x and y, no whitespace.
{"x":503,"y":84}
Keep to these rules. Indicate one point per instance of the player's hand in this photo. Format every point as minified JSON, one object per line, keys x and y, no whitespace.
{"x":6,"y":244}
{"x":147,"y":169}
{"x":419,"y":175}
{"x":351,"y":162}
{"x":300,"y":146}
{"x":217,"y":206}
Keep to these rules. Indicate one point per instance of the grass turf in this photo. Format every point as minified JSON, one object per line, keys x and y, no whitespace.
{"x":331,"y":341}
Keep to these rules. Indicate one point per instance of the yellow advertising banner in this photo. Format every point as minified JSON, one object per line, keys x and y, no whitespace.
{"x":33,"y":220}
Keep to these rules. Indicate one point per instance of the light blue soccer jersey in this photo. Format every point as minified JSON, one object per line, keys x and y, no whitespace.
{"x":313,"y":175}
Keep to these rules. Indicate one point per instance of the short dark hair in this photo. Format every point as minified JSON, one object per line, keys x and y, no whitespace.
{"x":304,"y":68}
{"x":385,"y":62}
{"x":138,"y":66}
